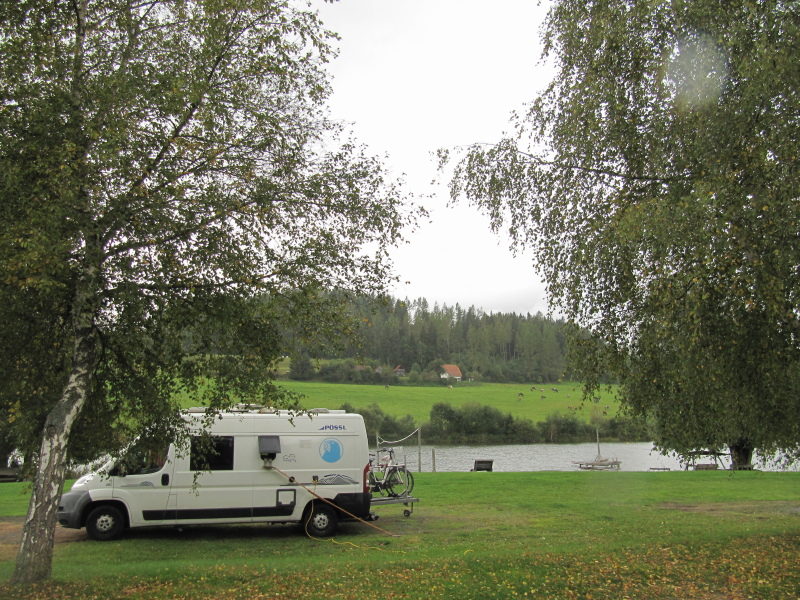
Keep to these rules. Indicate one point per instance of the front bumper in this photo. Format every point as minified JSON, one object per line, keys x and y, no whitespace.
{"x":70,"y":508}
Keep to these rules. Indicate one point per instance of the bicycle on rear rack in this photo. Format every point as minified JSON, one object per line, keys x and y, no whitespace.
{"x":389,"y":478}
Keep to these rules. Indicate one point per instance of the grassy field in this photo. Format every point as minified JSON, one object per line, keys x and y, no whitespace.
{"x":600,"y":535}
{"x":400,"y":401}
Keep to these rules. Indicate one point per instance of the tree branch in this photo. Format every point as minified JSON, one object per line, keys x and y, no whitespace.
{"x":594,"y":170}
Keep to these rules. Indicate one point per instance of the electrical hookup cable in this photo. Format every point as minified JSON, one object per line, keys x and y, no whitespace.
{"x":313,"y":493}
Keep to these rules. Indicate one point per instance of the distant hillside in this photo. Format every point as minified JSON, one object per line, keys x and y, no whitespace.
{"x":492,"y":347}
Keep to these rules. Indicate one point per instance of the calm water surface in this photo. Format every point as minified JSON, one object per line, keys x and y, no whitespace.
{"x":638,"y":456}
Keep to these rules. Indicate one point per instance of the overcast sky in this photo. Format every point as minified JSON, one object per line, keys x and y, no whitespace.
{"x":413,"y":76}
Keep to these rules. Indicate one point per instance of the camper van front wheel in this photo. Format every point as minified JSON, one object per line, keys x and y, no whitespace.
{"x":105,"y":523}
{"x":321,"y":520}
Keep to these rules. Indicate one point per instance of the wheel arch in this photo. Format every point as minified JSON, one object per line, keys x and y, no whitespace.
{"x":330,"y":503}
{"x":119,"y":505}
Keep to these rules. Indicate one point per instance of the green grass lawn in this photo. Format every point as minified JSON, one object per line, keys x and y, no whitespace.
{"x":399,"y":401}
{"x":601,"y":535}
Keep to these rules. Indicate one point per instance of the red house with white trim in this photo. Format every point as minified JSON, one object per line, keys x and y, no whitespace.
{"x":450,"y":371}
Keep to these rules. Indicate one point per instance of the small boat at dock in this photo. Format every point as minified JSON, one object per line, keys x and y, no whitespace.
{"x":599,"y":463}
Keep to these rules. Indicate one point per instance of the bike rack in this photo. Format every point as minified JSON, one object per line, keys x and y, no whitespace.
{"x":404,"y":498}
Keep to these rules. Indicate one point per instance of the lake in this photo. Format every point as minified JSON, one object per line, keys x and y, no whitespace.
{"x":634,"y":456}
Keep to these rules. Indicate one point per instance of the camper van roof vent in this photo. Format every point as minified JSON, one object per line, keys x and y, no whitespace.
{"x":326,"y":411}
{"x":245,"y":407}
{"x":236,"y":408}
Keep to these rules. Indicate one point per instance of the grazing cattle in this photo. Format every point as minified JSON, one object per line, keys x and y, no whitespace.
{"x":553,"y":389}
{"x":606,"y":407}
{"x":543,"y":397}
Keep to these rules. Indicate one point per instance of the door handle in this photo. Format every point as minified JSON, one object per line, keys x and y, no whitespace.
{"x":165,"y":479}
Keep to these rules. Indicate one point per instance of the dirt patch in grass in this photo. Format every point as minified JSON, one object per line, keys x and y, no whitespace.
{"x":11,"y":535}
{"x":741,"y":508}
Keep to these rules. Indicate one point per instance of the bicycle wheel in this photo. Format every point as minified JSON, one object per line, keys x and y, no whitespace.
{"x":372,"y":482}
{"x":400,"y":482}
{"x":409,"y":482}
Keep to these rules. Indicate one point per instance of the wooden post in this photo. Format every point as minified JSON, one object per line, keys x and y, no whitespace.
{"x":419,"y":450}
{"x":433,"y":459}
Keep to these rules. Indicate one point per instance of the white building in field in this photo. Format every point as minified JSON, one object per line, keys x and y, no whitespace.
{"x":450,"y":372}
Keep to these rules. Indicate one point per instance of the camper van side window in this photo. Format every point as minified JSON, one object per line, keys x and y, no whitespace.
{"x":211,"y":454}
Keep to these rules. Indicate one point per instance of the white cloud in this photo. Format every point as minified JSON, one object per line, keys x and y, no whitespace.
{"x":417,"y":75}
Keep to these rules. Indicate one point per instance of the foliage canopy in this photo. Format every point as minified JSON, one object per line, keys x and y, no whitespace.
{"x":162,"y":164}
{"x":656,"y":183}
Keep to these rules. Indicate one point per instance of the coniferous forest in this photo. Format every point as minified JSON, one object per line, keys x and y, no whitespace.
{"x":416,"y":338}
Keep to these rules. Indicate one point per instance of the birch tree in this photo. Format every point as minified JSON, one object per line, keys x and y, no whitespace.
{"x":656,"y":184}
{"x":163,"y":162}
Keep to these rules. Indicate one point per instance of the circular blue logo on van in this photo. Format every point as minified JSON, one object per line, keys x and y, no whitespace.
{"x":331,"y":450}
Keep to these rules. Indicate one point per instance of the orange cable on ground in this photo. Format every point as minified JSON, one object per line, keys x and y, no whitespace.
{"x":312,"y":492}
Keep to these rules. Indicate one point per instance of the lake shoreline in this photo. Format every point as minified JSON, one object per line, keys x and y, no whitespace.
{"x":633,"y":456}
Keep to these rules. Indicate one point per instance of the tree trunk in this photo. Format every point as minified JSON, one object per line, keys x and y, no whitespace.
{"x":741,"y":454}
{"x":35,"y":556}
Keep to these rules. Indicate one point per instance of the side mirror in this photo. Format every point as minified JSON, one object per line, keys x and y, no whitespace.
{"x":120,"y":469}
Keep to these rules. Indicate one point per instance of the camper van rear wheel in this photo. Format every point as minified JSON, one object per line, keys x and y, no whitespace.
{"x":321,"y":520}
{"x":105,"y":523}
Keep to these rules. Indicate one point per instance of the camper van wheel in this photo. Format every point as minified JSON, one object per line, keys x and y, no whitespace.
{"x":321,"y":520}
{"x":105,"y":523}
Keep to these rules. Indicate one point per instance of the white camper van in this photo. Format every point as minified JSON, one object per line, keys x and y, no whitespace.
{"x":258,"y":466}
